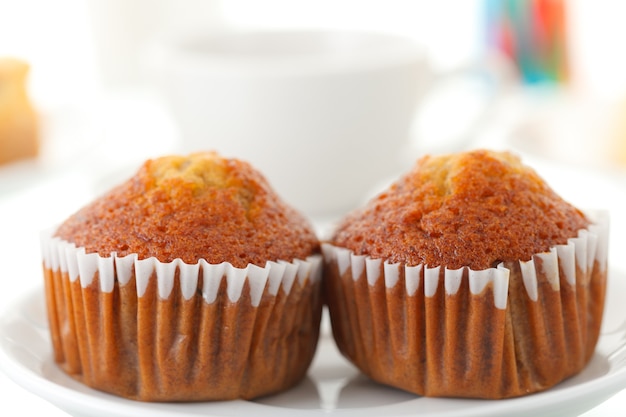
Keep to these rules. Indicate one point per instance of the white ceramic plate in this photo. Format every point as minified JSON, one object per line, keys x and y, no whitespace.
{"x":333,"y":387}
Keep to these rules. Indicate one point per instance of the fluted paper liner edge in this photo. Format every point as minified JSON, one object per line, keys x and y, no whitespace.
{"x":59,"y":254}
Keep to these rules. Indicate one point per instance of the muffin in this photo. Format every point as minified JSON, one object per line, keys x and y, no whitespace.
{"x":191,"y":281}
{"x":468,"y":277}
{"x":19,"y":137}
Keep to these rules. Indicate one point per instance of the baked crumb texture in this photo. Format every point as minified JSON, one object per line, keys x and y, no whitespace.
{"x":473,"y":209}
{"x":201,"y":206}
{"x":469,"y":278}
{"x":192,"y":281}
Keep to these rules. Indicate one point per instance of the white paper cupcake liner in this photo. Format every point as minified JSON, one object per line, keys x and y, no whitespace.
{"x":421,"y":328}
{"x":155,"y":331}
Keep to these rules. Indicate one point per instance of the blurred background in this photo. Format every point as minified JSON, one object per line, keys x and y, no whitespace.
{"x":546,"y":80}
{"x":81,"y":105}
{"x":91,"y":77}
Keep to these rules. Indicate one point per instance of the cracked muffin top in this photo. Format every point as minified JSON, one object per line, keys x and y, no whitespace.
{"x":200,"y":206}
{"x":473,"y":209}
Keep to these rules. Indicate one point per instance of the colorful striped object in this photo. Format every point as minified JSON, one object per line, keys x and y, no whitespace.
{"x":532,"y":33}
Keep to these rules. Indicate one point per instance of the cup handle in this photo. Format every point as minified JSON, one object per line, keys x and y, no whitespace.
{"x":445,"y":120}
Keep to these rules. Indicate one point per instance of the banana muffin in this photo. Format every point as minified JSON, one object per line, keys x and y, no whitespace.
{"x":468,"y":277}
{"x":190,"y":281}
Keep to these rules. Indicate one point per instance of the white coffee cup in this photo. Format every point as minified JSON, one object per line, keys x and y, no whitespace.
{"x":324,"y":114}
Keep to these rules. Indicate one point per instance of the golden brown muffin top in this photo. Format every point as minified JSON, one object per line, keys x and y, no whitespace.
{"x":200,"y":206}
{"x":473,"y":209}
